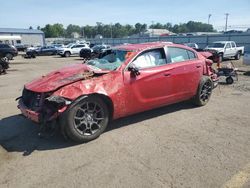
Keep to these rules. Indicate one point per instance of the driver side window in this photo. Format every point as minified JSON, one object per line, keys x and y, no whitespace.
{"x":151,"y":58}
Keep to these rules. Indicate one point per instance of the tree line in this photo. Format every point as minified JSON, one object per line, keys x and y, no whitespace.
{"x":118,"y":30}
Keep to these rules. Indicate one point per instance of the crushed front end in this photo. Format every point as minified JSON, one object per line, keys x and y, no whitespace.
{"x":41,"y":108}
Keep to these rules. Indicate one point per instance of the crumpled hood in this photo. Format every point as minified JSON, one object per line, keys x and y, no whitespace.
{"x":59,"y":78}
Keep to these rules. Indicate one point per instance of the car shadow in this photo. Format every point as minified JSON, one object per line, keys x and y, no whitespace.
{"x":18,"y":134}
{"x":116,"y":124}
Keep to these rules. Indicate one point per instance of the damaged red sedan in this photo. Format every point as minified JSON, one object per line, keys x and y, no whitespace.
{"x":127,"y":79}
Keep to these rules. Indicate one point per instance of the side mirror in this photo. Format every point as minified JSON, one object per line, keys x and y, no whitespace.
{"x":133,"y":70}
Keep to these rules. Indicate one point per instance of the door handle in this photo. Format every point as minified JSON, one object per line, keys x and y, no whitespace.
{"x":166,"y":74}
{"x":198,"y":66}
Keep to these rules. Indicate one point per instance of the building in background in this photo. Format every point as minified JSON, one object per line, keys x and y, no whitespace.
{"x":22,"y":36}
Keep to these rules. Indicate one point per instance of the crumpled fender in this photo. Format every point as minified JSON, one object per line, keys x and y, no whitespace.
{"x":103,"y":85}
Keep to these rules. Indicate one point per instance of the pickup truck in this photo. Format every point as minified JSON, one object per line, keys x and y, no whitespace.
{"x":71,"y":49}
{"x":226,"y":49}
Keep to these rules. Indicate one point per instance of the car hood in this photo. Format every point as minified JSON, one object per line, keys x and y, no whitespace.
{"x":62,"y":77}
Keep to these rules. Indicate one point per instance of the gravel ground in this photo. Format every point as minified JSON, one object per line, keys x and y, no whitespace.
{"x":174,"y":146}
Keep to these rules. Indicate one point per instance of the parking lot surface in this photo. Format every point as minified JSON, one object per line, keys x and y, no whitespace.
{"x":174,"y":146}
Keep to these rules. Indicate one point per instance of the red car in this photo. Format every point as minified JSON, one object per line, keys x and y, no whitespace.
{"x":128,"y":79}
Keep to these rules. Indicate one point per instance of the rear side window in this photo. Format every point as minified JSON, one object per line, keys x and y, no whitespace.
{"x":233,"y":44}
{"x":175,"y":55}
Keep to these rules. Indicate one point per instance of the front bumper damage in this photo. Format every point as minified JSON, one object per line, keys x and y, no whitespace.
{"x":47,"y":111}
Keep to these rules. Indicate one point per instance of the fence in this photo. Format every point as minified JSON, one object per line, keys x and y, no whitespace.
{"x":203,"y":40}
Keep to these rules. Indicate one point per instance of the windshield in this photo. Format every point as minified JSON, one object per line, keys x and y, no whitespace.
{"x":216,"y":45}
{"x":69,"y":45}
{"x":111,"y":60}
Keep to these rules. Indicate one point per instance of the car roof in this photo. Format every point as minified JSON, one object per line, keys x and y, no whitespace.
{"x":144,"y":46}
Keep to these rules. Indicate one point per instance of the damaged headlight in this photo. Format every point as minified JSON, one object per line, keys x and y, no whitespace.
{"x":56,"y":102}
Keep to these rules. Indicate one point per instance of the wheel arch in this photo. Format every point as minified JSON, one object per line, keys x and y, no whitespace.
{"x":107,"y":100}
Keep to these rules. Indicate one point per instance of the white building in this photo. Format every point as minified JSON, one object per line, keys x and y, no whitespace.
{"x":22,"y":36}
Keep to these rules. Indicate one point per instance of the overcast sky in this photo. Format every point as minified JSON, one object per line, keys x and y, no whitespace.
{"x":25,"y":13}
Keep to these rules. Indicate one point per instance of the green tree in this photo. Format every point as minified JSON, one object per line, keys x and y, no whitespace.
{"x":72,"y":28}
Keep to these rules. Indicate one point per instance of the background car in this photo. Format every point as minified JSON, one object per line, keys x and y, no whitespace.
{"x":72,"y":49}
{"x":94,"y":52}
{"x":8,"y":51}
{"x":192,"y":45}
{"x":21,"y":47}
{"x":45,"y":50}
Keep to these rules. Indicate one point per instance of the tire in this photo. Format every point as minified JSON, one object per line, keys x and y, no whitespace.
{"x":9,"y":56}
{"x":1,"y":69}
{"x":220,"y":58}
{"x":237,"y":56}
{"x":66,"y":54}
{"x":204,"y":91}
{"x":86,"y":119}
{"x":229,"y":80}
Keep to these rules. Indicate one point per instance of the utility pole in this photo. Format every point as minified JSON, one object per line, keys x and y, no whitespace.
{"x":209,"y":16}
{"x":226,"y":21}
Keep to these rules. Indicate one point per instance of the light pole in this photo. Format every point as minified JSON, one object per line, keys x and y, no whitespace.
{"x":209,"y":16}
{"x":226,"y":21}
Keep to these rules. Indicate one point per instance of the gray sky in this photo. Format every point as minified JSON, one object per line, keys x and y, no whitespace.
{"x":25,"y":13}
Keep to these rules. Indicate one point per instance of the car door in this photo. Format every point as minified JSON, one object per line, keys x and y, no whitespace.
{"x":152,"y":86}
{"x":186,"y":73}
{"x":228,"y":50}
{"x":77,"y":48}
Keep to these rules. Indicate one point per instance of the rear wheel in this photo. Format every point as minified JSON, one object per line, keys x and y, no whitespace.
{"x":237,"y":56}
{"x":204,"y":91}
{"x":9,"y":56}
{"x":86,"y":119}
{"x":229,"y":80}
{"x":220,"y":58}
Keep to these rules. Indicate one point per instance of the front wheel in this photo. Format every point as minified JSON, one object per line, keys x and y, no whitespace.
{"x":204,"y":91}
{"x":67,"y":54}
{"x":9,"y":56}
{"x":86,"y":119}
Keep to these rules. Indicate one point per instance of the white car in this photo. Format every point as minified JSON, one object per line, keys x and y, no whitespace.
{"x":71,"y":49}
{"x":246,"y":57}
{"x":226,"y":49}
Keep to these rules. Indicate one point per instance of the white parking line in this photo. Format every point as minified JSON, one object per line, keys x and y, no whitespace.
{"x":239,"y":179}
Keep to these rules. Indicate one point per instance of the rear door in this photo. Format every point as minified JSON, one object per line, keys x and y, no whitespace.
{"x":77,"y":48}
{"x":186,"y":73}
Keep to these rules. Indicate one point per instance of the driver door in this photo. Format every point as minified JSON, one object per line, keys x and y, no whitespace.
{"x":152,"y":86}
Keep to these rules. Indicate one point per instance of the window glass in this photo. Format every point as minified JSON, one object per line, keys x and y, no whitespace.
{"x":191,"y":54}
{"x":228,"y":45}
{"x":177,"y":55}
{"x":150,"y":58}
{"x":233,"y":44}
